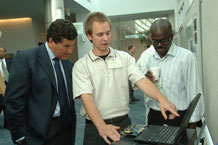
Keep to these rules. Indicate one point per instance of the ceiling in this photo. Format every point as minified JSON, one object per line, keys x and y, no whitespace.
{"x":134,"y":23}
{"x":35,"y":8}
{"x":138,"y":16}
{"x":74,"y":7}
{"x":32,"y":8}
{"x":24,"y":8}
{"x":21,"y":8}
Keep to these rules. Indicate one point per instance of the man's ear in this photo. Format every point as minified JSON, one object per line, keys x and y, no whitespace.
{"x":50,"y":42}
{"x":172,"y":35}
{"x":50,"y":39}
{"x":89,"y":37}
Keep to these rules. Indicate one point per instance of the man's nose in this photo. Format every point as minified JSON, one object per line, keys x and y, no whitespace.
{"x":159,"y":44}
{"x":105,"y":37}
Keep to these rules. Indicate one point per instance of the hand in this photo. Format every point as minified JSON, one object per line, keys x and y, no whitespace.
{"x":165,"y":106}
{"x":150,"y":76}
{"x":109,"y":131}
{"x":20,"y":142}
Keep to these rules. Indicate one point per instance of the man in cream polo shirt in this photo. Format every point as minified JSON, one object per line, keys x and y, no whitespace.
{"x":100,"y":79}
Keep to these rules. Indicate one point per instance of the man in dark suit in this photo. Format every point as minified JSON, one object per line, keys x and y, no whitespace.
{"x":5,"y":65}
{"x":38,"y":99}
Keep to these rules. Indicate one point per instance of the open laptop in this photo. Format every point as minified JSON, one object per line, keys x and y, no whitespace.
{"x":167,"y":135}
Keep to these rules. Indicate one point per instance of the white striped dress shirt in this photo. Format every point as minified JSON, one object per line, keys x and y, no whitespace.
{"x":180,"y":79}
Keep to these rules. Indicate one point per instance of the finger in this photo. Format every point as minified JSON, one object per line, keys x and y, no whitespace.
{"x":148,"y":75}
{"x":164,"y":114}
{"x":106,"y":140}
{"x":116,"y":133}
{"x":113,"y":138}
{"x":172,"y":116}
{"x":153,"y":78}
{"x":150,"y":72}
{"x":116,"y":127}
{"x":174,"y":111}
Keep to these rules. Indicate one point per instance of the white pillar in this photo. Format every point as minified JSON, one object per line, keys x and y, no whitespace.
{"x":54,"y":9}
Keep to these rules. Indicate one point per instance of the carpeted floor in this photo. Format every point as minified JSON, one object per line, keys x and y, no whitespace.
{"x":137,"y":115}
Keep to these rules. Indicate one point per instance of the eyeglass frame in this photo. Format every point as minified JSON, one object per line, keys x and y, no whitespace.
{"x":163,"y":41}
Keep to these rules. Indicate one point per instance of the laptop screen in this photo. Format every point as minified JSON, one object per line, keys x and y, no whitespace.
{"x":187,"y":116}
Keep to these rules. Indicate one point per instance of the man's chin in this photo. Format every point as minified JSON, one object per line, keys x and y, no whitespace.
{"x":105,"y":47}
{"x":64,"y":57}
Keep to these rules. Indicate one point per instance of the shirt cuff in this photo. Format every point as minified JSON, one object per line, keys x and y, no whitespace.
{"x":22,"y":138}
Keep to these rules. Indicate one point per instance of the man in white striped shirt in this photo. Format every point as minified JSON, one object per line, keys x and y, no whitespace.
{"x":179,"y":76}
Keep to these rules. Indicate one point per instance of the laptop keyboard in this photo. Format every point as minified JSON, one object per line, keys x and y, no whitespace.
{"x":163,"y":134}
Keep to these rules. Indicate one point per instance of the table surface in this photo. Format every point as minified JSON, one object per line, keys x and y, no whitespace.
{"x":188,"y":139}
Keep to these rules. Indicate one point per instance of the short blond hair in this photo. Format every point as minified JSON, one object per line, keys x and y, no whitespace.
{"x":95,"y":16}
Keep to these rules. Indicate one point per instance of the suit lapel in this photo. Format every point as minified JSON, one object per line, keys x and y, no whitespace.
{"x":8,"y":63}
{"x":45,"y":62}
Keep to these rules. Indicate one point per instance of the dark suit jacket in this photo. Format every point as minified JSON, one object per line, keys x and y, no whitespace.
{"x":8,"y":63}
{"x":31,"y":95}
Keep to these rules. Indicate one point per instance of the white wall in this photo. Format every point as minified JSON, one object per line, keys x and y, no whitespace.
{"x":39,"y":30}
{"x":17,"y":34}
{"x":83,"y":44}
{"x":210,"y":67}
{"x":123,"y":7}
{"x":207,"y":19}
{"x":192,"y":13}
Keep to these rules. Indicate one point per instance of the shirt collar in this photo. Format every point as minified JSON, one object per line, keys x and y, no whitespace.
{"x":94,"y":57}
{"x":50,"y":53}
{"x":171,"y":52}
{"x":3,"y":59}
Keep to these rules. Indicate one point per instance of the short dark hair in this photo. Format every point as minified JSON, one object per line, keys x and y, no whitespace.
{"x":60,"y":29}
{"x":130,"y":47}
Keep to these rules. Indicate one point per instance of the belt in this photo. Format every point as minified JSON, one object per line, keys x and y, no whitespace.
{"x":112,"y":120}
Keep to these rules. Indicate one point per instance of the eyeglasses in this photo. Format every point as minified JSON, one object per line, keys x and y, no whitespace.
{"x":163,"y":41}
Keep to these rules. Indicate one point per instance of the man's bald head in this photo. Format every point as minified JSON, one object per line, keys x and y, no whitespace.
{"x":161,"y":25}
{"x":162,"y":36}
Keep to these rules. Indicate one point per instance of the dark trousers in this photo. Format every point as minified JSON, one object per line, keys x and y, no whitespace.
{"x":59,"y":136}
{"x":2,"y":108}
{"x":1,"y":103}
{"x":131,"y":92}
{"x":156,"y":118}
{"x":91,"y":135}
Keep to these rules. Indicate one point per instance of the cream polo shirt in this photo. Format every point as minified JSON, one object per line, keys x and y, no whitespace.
{"x":107,"y":81}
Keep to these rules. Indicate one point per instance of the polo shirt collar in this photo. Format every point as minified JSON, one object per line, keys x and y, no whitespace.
{"x":95,"y":57}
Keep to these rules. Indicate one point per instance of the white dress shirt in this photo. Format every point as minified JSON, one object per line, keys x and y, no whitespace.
{"x":52,"y":56}
{"x":3,"y":75}
{"x":143,"y":60}
{"x":180,"y":80}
